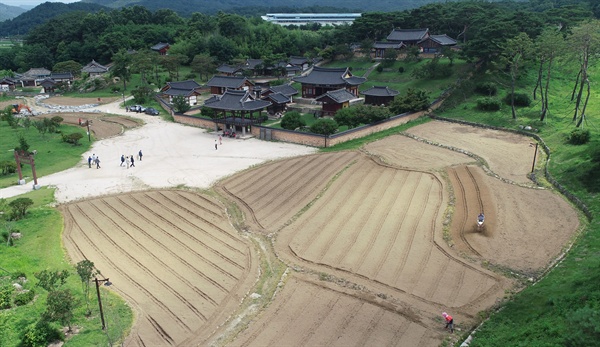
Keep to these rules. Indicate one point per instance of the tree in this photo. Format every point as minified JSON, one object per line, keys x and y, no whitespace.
{"x":292,"y":120}
{"x":23,"y":145}
{"x":585,"y":45}
{"x":68,"y":66}
{"x":120,"y":68}
{"x":19,"y":207}
{"x":348,"y":116}
{"x":60,"y":305}
{"x":51,"y":280}
{"x":86,"y":271}
{"x":412,"y":101}
{"x":324,"y":127}
{"x":203,"y":64}
{"x":547,"y":46}
{"x":515,"y":51}
{"x":142,"y":94}
{"x":180,"y":104}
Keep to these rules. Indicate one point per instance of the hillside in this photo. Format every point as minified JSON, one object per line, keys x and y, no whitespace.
{"x":22,"y":23}
{"x":8,"y":12}
{"x":262,"y":6}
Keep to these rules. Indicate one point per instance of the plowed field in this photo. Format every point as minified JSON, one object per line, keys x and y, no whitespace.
{"x":377,"y":242}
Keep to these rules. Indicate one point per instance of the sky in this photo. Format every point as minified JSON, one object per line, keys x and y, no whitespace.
{"x":32,"y":2}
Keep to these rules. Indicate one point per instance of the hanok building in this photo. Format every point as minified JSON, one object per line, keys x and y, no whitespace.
{"x":161,"y":48}
{"x":49,"y":85}
{"x":321,"y":80}
{"x":189,"y":89}
{"x":254,"y":65}
{"x":335,"y":100}
{"x":410,"y":37}
{"x":279,"y":96}
{"x":382,"y":47}
{"x":94,"y":69}
{"x":62,"y":77}
{"x":301,"y":62}
{"x":436,"y":43}
{"x":379,"y":95}
{"x":237,"y":110}
{"x":34,"y":76}
{"x":8,"y":84}
{"x":219,"y":84}
{"x":229,"y":70}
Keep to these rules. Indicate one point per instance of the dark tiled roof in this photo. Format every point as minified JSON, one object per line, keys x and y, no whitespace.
{"x":8,"y":80}
{"x":227,"y":81}
{"x":407,"y":34}
{"x":159,"y":46}
{"x":278,"y":98}
{"x":252,"y":63}
{"x":385,"y":45}
{"x":329,"y":76}
{"x":48,"y":82}
{"x":339,"y":96}
{"x":35,"y":72}
{"x":184,"y":88}
{"x":284,"y":89}
{"x":228,"y":69}
{"x":298,"y":60}
{"x":380,"y":91}
{"x":236,"y":100}
{"x":443,"y":40}
{"x":94,"y":67}
{"x":61,"y":75}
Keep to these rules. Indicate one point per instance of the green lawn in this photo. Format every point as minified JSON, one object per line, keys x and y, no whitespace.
{"x":53,"y":154}
{"x":39,"y":249}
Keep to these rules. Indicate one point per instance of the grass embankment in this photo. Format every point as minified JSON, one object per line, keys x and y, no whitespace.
{"x":39,"y":249}
{"x":563,"y":309}
{"x":53,"y":155}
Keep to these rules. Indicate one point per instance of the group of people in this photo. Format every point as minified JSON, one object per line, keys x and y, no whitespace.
{"x":129,"y":160}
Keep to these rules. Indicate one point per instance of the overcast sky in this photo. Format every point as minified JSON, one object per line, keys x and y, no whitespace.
{"x":32,"y":2}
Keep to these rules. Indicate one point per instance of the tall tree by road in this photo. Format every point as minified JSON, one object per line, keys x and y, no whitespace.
{"x":120,"y":68}
{"x":547,"y":46}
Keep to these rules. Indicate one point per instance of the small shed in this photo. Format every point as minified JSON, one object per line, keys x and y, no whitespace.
{"x":8,"y":84}
{"x":161,"y":47}
{"x":379,"y":95}
{"x":94,"y":68}
{"x":189,"y":89}
{"x":335,"y":100}
{"x":435,"y":43}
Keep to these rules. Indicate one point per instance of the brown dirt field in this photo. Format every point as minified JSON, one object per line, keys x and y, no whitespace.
{"x":183,"y":269}
{"x":101,"y":126}
{"x":508,"y":155}
{"x":363,"y":234}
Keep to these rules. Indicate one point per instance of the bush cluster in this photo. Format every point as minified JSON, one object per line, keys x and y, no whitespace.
{"x":8,"y":167}
{"x":579,"y":136}
{"x":488,"y":104}
{"x":486,"y":88}
{"x":72,"y":138}
{"x":521,"y":100}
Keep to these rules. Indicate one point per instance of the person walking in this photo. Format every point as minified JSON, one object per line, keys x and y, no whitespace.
{"x":122,"y":159}
{"x":220,"y":140}
{"x":215,"y":145}
{"x":97,"y":162}
{"x":94,"y":158}
{"x":140,"y":155}
{"x":90,"y":161}
{"x":132,"y":161}
{"x":127,"y":161}
{"x":449,"y":321}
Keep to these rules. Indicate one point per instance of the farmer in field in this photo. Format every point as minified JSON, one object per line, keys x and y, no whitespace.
{"x":449,"y":321}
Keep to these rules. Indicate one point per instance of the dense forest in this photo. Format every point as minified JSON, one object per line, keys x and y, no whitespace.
{"x":481,"y":27}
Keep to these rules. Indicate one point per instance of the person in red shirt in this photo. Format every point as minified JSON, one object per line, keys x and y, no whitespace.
{"x":449,"y":321}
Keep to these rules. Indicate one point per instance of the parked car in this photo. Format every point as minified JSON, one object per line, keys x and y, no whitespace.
{"x":137,"y":108}
{"x":152,"y":111}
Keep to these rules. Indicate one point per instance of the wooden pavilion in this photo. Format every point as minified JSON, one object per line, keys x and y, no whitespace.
{"x":237,"y":110}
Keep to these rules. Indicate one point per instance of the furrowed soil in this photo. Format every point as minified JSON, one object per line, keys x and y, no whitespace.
{"x":376,"y":243}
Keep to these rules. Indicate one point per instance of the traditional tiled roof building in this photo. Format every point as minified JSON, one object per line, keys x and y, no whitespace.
{"x":189,"y":89}
{"x":379,"y":95}
{"x":94,"y":68}
{"x":335,"y":100}
{"x":321,"y":80}
{"x":219,"y":84}
{"x":237,"y":109}
{"x":409,"y":37}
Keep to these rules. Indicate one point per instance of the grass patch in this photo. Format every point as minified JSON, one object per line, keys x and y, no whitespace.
{"x":40,"y":248}
{"x":53,"y":155}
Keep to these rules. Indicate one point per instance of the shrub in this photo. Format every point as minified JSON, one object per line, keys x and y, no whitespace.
{"x":180,"y":104}
{"x":578,"y":136}
{"x":190,"y":76}
{"x":401,"y":69}
{"x":40,"y":334}
{"x":379,"y":68}
{"x":486,"y":88}
{"x":488,"y":104}
{"x":292,"y":120}
{"x":6,"y":297}
{"x":8,"y":167}
{"x":72,"y":138}
{"x":19,"y":207}
{"x":24,"y":297}
{"x":324,"y":127}
{"x":413,"y":100}
{"x":56,"y":120}
{"x":521,"y":100}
